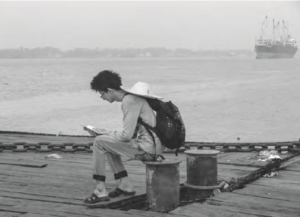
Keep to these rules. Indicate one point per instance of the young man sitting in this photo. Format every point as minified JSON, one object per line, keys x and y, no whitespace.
{"x":115,"y":144}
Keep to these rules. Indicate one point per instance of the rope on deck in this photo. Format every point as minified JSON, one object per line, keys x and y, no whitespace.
{"x":238,"y":183}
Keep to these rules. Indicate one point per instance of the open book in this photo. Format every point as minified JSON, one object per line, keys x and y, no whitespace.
{"x":92,"y":130}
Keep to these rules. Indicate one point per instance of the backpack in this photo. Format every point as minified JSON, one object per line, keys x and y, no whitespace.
{"x":169,"y":128}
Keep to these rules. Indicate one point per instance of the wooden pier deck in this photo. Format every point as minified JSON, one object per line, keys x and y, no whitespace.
{"x":277,"y":196}
{"x":32,"y":185}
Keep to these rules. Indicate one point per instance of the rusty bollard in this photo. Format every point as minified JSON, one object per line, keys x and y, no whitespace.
{"x":201,"y":171}
{"x":162,"y":179}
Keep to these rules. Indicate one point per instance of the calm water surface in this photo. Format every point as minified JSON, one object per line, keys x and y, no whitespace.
{"x":220,"y":99}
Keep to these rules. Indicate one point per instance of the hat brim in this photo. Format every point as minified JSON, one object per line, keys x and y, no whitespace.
{"x":146,"y":96}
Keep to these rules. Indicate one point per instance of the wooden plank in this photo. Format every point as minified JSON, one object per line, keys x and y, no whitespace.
{"x":290,"y":162}
{"x":17,"y":202}
{"x":25,"y":163}
{"x":152,"y":214}
{"x":62,"y":173}
{"x":242,"y":159}
{"x":66,"y":197}
{"x":245,"y":159}
{"x":60,"y":167}
{"x":27,"y":196}
{"x":36,"y":215}
{"x":43,"y":192}
{"x":81,"y":157}
{"x":29,"y":138}
{"x":69,"y":210}
{"x":270,"y":192}
{"x":248,"y":202}
{"x":224,"y":155}
{"x":59,"y":172}
{"x":203,"y":210}
{"x":293,"y":167}
{"x":48,"y":172}
{"x":44,"y":180}
{"x":288,"y":173}
{"x":37,"y":210}
{"x":9,"y":209}
{"x":63,"y":184}
{"x":83,"y":189}
{"x":58,"y":209}
{"x":139,"y":196}
{"x":277,"y":181}
{"x":53,"y":171}
{"x":69,"y":175}
{"x":87,"y":161}
{"x":9,"y":214}
{"x":87,"y":186}
{"x":77,"y":158}
{"x":233,"y":210}
{"x":47,"y":190}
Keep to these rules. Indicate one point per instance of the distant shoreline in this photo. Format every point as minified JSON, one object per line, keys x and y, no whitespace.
{"x":155,"y":52}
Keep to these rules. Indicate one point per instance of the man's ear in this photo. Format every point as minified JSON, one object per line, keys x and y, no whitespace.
{"x":112,"y":91}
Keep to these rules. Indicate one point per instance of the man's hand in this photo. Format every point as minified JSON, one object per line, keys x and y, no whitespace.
{"x":91,"y":130}
{"x":101,"y":131}
{"x":95,"y":131}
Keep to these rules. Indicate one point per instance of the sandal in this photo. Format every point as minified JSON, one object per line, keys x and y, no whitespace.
{"x":94,"y":199}
{"x":117,"y":192}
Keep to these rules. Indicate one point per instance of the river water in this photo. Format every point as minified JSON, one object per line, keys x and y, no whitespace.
{"x":219,"y":99}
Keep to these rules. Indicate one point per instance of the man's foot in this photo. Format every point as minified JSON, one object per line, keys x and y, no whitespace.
{"x":101,"y":193}
{"x":94,"y":199}
{"x":97,"y":197}
{"x":117,"y":192}
{"x":125,"y":186}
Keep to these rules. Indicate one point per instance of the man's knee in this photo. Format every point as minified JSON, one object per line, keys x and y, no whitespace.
{"x":100,"y":141}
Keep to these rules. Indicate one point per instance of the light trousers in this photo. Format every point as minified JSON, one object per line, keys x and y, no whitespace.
{"x":111,"y":148}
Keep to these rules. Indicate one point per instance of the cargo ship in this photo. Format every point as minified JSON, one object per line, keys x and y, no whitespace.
{"x":279,"y":45}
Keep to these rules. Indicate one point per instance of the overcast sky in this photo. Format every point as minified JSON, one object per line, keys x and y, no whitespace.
{"x":180,"y":24}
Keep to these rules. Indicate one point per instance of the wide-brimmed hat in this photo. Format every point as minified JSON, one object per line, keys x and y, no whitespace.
{"x":141,"y":89}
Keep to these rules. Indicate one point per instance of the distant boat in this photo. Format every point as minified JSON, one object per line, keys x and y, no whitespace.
{"x":281,"y":45}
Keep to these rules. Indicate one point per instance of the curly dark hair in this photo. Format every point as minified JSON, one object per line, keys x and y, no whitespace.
{"x":106,"y":79}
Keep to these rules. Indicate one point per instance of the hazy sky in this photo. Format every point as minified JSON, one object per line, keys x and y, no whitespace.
{"x":173,"y":24}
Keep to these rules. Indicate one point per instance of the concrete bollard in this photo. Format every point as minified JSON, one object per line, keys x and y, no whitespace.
{"x":162,"y":179}
{"x":201,"y":171}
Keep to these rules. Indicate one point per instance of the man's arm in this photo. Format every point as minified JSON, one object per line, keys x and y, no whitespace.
{"x":131,"y":111}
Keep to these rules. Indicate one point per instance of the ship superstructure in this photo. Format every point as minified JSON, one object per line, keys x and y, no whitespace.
{"x":278,"y":44}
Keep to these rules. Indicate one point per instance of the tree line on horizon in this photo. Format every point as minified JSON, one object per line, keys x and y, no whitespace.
{"x":51,"y":52}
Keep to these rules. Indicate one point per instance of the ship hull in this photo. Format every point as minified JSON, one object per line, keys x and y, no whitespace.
{"x":275,"y":51}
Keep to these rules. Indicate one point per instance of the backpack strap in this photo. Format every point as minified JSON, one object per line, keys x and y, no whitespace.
{"x":149,"y":128}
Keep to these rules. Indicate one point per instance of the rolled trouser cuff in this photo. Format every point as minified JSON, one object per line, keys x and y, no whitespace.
{"x":121,"y":174}
{"x":99,"y":177}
